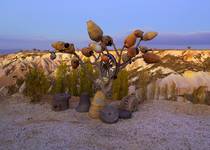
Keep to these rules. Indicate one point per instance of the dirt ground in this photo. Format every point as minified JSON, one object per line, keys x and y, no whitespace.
{"x":157,"y":125}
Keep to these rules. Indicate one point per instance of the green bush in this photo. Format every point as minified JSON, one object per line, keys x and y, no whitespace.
{"x":86,"y":85}
{"x":120,"y":85}
{"x":144,"y":79}
{"x":60,"y":85}
{"x":37,"y":84}
{"x":73,"y":82}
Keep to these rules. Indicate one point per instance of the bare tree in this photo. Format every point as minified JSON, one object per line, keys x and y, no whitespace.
{"x":106,"y":64}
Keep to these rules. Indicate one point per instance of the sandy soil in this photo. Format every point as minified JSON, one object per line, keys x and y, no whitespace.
{"x":157,"y":125}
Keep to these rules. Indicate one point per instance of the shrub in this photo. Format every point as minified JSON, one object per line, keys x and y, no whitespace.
{"x":120,"y":85}
{"x":37,"y":84}
{"x":73,"y":81}
{"x":86,"y":85}
{"x":144,"y":79}
{"x":61,"y":79}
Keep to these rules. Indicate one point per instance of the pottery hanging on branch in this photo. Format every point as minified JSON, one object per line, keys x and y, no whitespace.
{"x":109,"y":114}
{"x":130,"y":40}
{"x":94,"y":31}
{"x":74,"y":63}
{"x":151,"y":58}
{"x":97,"y":104}
{"x":96,"y":47}
{"x":87,"y":51}
{"x":69,"y":48}
{"x":125,"y":57}
{"x":107,"y":40}
{"x":138,"y":33}
{"x":84,"y":103}
{"x":132,"y":52}
{"x":149,"y":36}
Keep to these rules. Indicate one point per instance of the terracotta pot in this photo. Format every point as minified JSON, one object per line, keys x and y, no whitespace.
{"x":59,"y":45}
{"x":151,"y":58}
{"x":69,"y":48}
{"x":138,"y":33}
{"x":74,"y":63}
{"x":132,"y":52}
{"x":130,"y":40}
{"x":105,"y":58}
{"x":87,"y":51}
{"x":84,"y":103}
{"x":94,"y":31}
{"x":97,"y":104}
{"x":125,"y":57}
{"x":149,"y":36}
{"x":107,"y":40}
{"x":96,"y":47}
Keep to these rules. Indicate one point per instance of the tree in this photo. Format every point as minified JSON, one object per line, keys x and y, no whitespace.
{"x":105,"y":64}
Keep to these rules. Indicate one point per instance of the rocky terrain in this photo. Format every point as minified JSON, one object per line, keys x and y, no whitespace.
{"x":180,"y":72}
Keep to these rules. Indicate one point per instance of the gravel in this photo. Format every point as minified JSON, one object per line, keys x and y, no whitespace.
{"x":157,"y":125}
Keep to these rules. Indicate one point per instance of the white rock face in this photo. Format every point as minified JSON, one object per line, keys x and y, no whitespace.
{"x":176,"y":84}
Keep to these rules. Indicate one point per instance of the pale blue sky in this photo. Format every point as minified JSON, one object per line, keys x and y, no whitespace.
{"x":66,"y":19}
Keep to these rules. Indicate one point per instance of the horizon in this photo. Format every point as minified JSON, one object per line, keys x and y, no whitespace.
{"x":36,"y":24}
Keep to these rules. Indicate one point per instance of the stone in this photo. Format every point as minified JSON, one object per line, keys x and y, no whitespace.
{"x":84,"y":103}
{"x":4,"y":91}
{"x":129,"y":103}
{"x":109,"y":114}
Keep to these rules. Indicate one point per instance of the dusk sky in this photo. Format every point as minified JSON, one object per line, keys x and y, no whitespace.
{"x":34,"y":24}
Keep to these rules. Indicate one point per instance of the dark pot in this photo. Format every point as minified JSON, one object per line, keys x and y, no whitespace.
{"x":84,"y":103}
{"x":60,"y":102}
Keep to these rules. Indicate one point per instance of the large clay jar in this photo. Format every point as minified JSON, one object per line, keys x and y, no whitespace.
{"x":94,"y":31}
{"x":84,"y":103}
{"x":130,"y":40}
{"x":59,"y":45}
{"x":69,"y":48}
{"x":74,"y":63}
{"x":138,"y":33}
{"x":87,"y":51}
{"x":107,"y":40}
{"x":151,"y":58}
{"x":97,"y":105}
{"x":60,"y":102}
{"x":132,"y":52}
{"x":149,"y":36}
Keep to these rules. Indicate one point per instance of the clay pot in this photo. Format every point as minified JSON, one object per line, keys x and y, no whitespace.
{"x":94,"y":31}
{"x":59,"y":45}
{"x":84,"y":103}
{"x":149,"y":36}
{"x":60,"y":102}
{"x":138,"y":33}
{"x":104,"y":58}
{"x":96,"y":47}
{"x":109,"y":114}
{"x":130,"y":40}
{"x":69,"y":48}
{"x":107,"y":40}
{"x":151,"y":58}
{"x":132,"y":52}
{"x":97,"y":105}
{"x":125,"y":57}
{"x":74,"y":63}
{"x":87,"y":51}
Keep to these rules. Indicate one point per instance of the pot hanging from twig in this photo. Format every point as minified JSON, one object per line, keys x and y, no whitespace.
{"x":94,"y":31}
